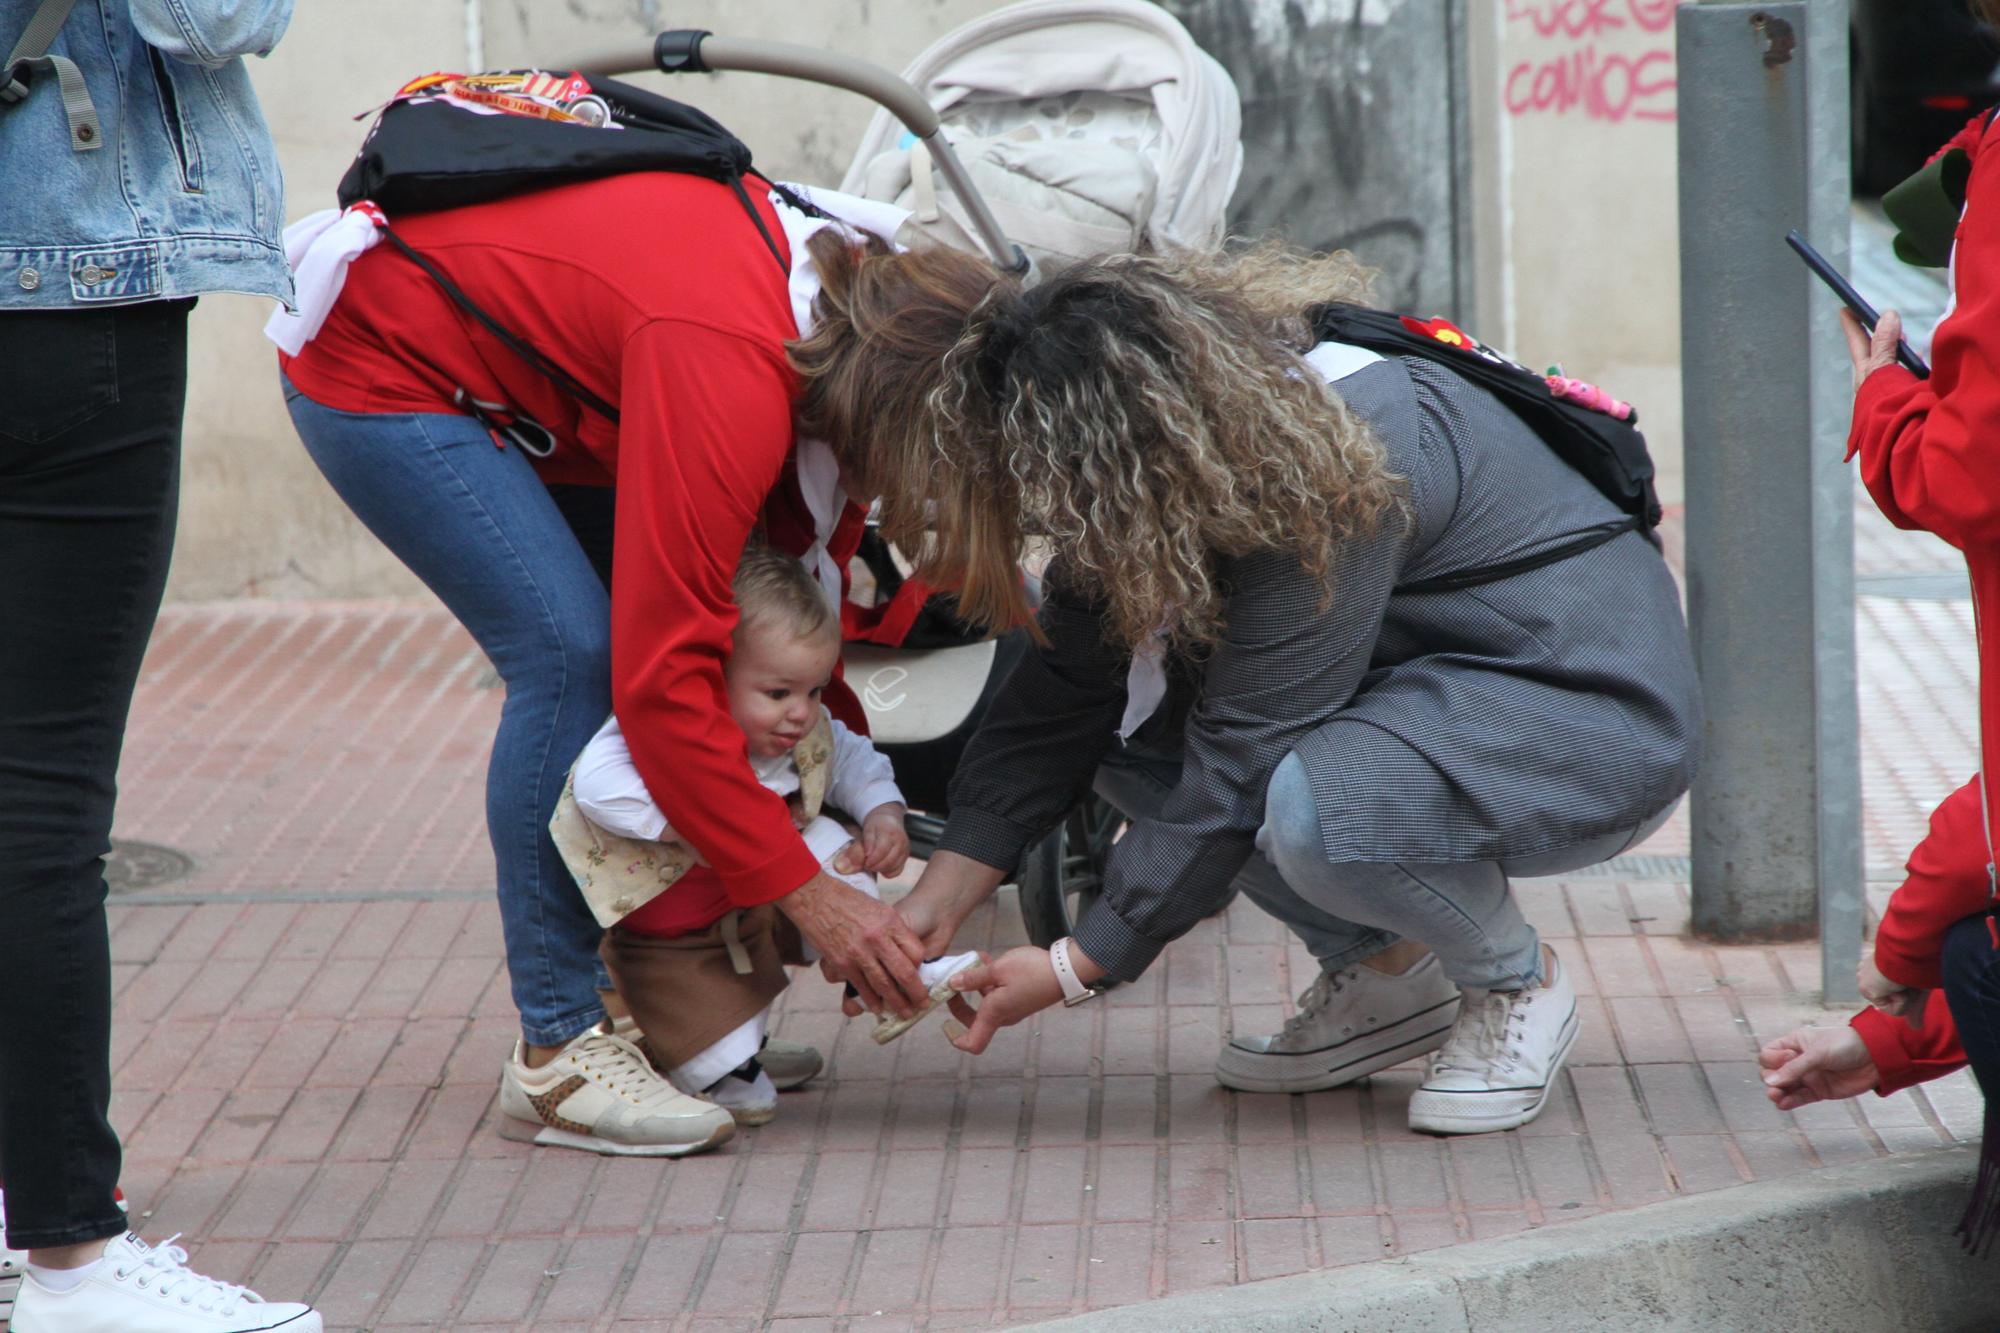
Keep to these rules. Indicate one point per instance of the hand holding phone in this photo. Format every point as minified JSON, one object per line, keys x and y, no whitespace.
{"x":1854,"y":301}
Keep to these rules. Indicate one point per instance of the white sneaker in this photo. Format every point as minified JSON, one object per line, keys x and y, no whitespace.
{"x":602,"y":1095}
{"x":14,"y":1263}
{"x":1496,"y":1068}
{"x":747,"y":1093}
{"x":138,"y":1289}
{"x":936,"y":974}
{"x":1350,"y":1023}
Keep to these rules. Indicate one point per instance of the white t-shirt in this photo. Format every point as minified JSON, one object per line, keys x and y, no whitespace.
{"x":613,"y":796}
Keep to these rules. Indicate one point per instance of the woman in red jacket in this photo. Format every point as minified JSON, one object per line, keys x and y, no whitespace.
{"x":680,"y":326}
{"x":1927,"y":451}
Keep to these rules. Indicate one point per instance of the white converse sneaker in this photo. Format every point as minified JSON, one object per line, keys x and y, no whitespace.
{"x":746,"y":1092}
{"x":136,"y":1288}
{"x":936,"y":974}
{"x":13,"y":1263}
{"x":1350,"y":1023}
{"x":1496,"y":1068}
{"x":602,"y":1095}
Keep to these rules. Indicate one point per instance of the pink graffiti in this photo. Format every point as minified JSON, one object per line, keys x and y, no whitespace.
{"x":1604,"y":86}
{"x":1576,"y":19}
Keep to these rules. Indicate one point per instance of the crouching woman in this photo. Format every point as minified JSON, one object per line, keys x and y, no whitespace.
{"x":1253,"y":645}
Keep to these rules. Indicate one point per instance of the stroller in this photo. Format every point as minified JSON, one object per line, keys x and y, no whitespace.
{"x":1046,"y":131}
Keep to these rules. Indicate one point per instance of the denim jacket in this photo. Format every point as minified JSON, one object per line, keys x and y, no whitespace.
{"x":184,"y":195}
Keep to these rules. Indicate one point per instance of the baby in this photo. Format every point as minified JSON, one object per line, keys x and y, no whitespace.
{"x":698,"y":973}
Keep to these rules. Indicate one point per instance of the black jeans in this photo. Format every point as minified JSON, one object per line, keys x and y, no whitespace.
{"x":1971,"y":973}
{"x":90,"y":428}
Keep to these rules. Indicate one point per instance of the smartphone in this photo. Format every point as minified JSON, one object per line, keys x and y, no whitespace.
{"x":1854,"y":301}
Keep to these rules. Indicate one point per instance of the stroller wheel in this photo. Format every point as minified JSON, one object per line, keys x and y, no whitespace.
{"x":1063,"y":874}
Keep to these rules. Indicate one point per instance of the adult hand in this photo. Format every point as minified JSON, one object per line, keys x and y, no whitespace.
{"x":1816,"y":1064}
{"x":951,"y":888}
{"x":861,"y":941}
{"x":1870,"y":354}
{"x":1904,"y":1002}
{"x":1017,"y":984}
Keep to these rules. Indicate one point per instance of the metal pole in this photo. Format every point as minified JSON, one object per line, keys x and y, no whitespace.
{"x":1842,"y":881}
{"x":1776,"y":811}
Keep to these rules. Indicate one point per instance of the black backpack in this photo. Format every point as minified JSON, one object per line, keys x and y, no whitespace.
{"x":1586,"y":428}
{"x":539,"y":129}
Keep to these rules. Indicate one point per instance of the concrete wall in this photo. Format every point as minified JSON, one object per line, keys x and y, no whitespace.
{"x":1528,"y":142}
{"x":1576,"y":220}
{"x":1351,"y":124}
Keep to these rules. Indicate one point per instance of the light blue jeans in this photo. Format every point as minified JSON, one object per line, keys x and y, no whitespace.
{"x":477,"y":525}
{"x":1347,"y":911}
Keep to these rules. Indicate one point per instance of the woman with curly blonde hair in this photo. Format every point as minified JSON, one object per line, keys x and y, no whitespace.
{"x":1258,"y":641}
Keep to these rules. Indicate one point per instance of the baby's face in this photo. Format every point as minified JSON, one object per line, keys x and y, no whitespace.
{"x":775,"y":678}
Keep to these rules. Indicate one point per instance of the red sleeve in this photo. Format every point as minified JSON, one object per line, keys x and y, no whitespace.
{"x":1947,"y":882}
{"x":1967,"y":138}
{"x":1905,"y":1055}
{"x":1926,"y":446}
{"x":706,"y":423}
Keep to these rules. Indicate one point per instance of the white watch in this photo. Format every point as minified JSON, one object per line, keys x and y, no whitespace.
{"x":1074,"y":991}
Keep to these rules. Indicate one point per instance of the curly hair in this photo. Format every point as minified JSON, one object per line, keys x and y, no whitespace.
{"x":1145,"y":414}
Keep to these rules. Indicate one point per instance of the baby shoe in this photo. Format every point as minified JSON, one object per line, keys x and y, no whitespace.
{"x":937,"y":975}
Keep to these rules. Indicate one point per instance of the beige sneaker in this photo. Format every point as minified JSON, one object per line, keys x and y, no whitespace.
{"x":602,"y":1095}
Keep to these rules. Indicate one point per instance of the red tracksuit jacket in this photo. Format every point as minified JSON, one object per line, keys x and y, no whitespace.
{"x":1930,"y":456}
{"x":659,"y":296}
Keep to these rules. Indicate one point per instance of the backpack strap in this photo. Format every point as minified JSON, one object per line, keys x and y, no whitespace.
{"x":743,"y":197}
{"x":520,"y":346}
{"x":31,"y":53}
{"x":515,"y":343}
{"x":1607,"y":451}
{"x":1589,"y":539}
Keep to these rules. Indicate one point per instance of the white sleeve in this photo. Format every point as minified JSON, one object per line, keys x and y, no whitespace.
{"x":610,"y":791}
{"x":861,"y":778}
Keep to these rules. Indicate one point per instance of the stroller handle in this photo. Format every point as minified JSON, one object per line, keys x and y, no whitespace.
{"x":695,"y":51}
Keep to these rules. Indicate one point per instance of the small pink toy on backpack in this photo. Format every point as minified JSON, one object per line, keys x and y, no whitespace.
{"x":1590,"y":396}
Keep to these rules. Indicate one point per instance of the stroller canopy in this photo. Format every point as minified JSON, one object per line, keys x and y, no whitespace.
{"x":1088,"y":126}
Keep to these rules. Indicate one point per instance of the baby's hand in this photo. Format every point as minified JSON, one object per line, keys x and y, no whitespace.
{"x":885,"y":843}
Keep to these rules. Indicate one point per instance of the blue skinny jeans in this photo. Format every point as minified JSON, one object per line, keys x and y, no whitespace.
{"x":1347,"y":911}
{"x":527,"y":580}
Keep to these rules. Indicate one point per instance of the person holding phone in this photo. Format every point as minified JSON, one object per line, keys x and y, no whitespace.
{"x":1926,"y":451}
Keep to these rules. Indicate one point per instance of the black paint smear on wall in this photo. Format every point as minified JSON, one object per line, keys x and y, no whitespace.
{"x":1347,"y":134}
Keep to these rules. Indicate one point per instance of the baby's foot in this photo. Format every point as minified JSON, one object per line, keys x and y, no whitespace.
{"x":746,"y":1092}
{"x":937,"y":975}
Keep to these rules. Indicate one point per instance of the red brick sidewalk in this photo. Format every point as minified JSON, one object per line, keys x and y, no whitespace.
{"x":309,"y":1029}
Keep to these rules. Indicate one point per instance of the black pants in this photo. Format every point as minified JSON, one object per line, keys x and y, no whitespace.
{"x":90,"y":426}
{"x":1971,"y":974}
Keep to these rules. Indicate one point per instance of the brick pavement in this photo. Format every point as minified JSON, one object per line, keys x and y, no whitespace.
{"x":309,"y":1028}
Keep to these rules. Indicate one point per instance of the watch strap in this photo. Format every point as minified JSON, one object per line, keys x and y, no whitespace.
{"x":1074,"y":991}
